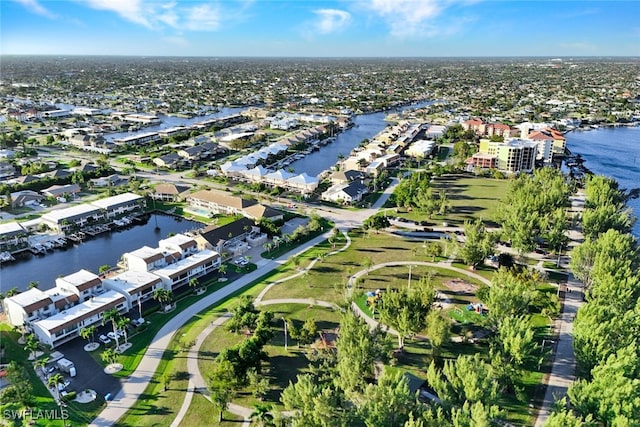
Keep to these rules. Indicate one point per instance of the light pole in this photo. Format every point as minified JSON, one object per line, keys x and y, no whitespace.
{"x":284,"y":321}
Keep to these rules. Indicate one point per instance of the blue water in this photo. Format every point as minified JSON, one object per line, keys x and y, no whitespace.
{"x":614,"y":152}
{"x":90,"y":254}
{"x":366,"y":126}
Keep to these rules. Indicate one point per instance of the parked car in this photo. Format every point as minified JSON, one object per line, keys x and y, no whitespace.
{"x":104,"y":339}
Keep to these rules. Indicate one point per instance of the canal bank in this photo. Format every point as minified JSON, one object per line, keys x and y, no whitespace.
{"x":365,"y":126}
{"x":90,"y":254}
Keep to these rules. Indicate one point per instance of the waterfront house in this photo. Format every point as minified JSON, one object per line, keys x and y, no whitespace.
{"x":179,"y":243}
{"x":144,"y":259}
{"x":347,"y":176}
{"x":421,"y":149}
{"x":217,"y":202}
{"x":259,"y":211}
{"x":169,"y":192}
{"x":170,"y":161}
{"x":555,"y":137}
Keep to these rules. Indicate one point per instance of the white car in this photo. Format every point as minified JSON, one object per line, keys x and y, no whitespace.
{"x":104,"y":339}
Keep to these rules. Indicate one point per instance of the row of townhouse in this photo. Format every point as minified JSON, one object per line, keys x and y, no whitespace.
{"x":188,"y":155}
{"x":481,"y":128}
{"x":149,"y":137}
{"x":80,"y":299}
{"x":62,"y":220}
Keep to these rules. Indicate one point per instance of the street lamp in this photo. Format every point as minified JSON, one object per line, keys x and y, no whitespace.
{"x":284,"y":321}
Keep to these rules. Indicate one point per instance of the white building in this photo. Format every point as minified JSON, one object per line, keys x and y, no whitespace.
{"x":66,"y":325}
{"x":181,"y":272}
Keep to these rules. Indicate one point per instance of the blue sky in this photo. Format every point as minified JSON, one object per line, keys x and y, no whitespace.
{"x":320,"y":28}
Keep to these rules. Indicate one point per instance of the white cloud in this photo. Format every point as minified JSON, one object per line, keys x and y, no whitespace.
{"x":202,"y":18}
{"x":415,"y":17}
{"x":155,"y":15}
{"x":34,"y":7}
{"x":131,"y":10}
{"x":331,"y":20}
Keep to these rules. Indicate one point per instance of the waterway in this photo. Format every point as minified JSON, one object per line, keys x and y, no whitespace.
{"x":614,"y":152}
{"x":366,"y":126}
{"x":90,"y":254}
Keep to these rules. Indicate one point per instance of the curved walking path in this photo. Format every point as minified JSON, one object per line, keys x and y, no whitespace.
{"x":137,"y":382}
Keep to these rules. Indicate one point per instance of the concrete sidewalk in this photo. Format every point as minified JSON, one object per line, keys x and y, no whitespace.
{"x":138,"y":380}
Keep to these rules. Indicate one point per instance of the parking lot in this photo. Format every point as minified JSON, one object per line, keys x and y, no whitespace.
{"x":90,"y":373}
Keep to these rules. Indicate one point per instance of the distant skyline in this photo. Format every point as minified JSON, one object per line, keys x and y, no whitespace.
{"x":308,"y":28}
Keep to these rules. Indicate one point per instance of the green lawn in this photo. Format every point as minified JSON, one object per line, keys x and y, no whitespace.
{"x":283,"y":366}
{"x":471,"y":197}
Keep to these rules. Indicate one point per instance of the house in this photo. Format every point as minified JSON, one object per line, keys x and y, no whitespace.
{"x":259,"y":211}
{"x":171,"y":161}
{"x":62,"y":192}
{"x":345,"y":193}
{"x":145,"y":259}
{"x":484,"y":161}
{"x":217,"y":202}
{"x":138,"y":139}
{"x":421,"y":149}
{"x":347,"y":176}
{"x":25,"y":198}
{"x":179,"y":243}
{"x":199,"y":152}
{"x":169,"y":192}
{"x":230,"y":238}
{"x":107,"y":181}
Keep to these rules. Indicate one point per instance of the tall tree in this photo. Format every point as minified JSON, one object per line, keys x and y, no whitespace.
{"x":438,"y":331}
{"x":478,"y":243}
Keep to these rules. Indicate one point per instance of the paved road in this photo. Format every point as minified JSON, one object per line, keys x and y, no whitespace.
{"x":564,"y":361}
{"x":138,"y":380}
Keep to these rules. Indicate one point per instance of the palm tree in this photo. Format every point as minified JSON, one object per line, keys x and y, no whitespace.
{"x":109,"y":356}
{"x":122,"y":325}
{"x":41,"y":363}
{"x":222,"y":269}
{"x":163,"y":296}
{"x":262,"y":415}
{"x":113,"y":316}
{"x":87,"y":332}
{"x":193,"y":283}
{"x":31,"y":346}
{"x":54,"y":381}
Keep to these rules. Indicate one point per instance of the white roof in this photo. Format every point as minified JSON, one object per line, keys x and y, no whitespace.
{"x":129,"y":281}
{"x":28,"y":297}
{"x":279,"y":175}
{"x":79,"y":277}
{"x":304,"y":179}
{"x":187,"y":263}
{"x":78,"y":210}
{"x":116,"y":200}
{"x":95,"y":304}
{"x":144,"y":252}
{"x":232,"y":167}
{"x":257,"y":171}
{"x":176,"y":239}
{"x":11,"y":227}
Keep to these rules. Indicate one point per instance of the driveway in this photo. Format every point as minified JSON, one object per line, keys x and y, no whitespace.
{"x":89,"y":372}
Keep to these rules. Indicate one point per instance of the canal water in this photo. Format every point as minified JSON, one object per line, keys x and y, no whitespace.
{"x":614,"y":152}
{"x":366,"y":126}
{"x":90,"y":254}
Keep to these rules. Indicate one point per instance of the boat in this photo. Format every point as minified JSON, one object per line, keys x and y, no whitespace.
{"x":6,"y":256}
